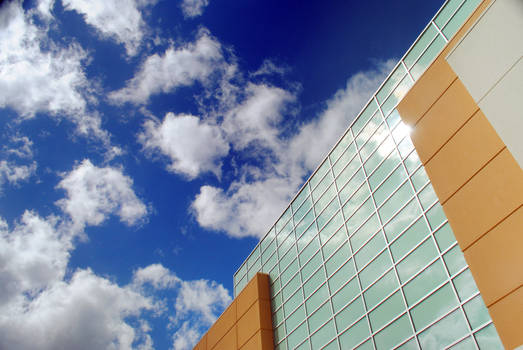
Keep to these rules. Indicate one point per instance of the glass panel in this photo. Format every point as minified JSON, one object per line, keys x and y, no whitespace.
{"x":290,"y":305}
{"x":391,"y":82}
{"x":348,"y":172}
{"x":416,"y":260}
{"x":279,"y":334}
{"x":397,"y":95}
{"x":410,"y":345}
{"x":420,"y":45}
{"x":375,"y":269}
{"x":476,"y":312}
{"x":396,"y":201}
{"x":345,"y":158}
{"x":355,"y":184}
{"x":355,"y":201}
{"x":323,"y":336}
{"x":370,"y":250}
{"x":318,"y":176}
{"x":425,"y":282}
{"x":284,"y":233}
{"x":269,"y":264}
{"x":393,"y":334}
{"x":466,"y":344}
{"x":291,"y":286}
{"x":325,"y":199}
{"x":393,"y":119}
{"x":427,"y":196}
{"x":251,"y":260}
{"x":412,"y":162}
{"x":354,"y":335}
{"x":297,"y":336}
{"x":345,"y":294}
{"x":309,"y":251}
{"x":446,"y":12}
{"x":319,"y":317}
{"x":366,"y":346}
{"x":311,"y":266}
{"x":401,"y":131}
{"x":277,"y":317}
{"x":488,"y":339}
{"x":268,"y":251}
{"x":465,"y":285}
{"x":294,"y":320}
{"x":409,"y":239}
{"x":403,"y":219}
{"x":364,"y":116}
{"x":289,"y":272}
{"x":381,"y":289}
{"x":333,"y":225}
{"x":394,"y":180}
{"x":340,"y":147}
{"x":383,"y":150}
{"x":276,"y":301}
{"x":304,"y":224}
{"x":454,"y":260}
{"x":296,"y":203}
{"x":317,"y":279}
{"x":428,"y":56}
{"x":369,"y":129}
{"x":457,"y":20}
{"x":444,"y":237}
{"x":317,"y":299}
{"x":446,"y":331}
{"x":405,"y":147}
{"x":336,"y":240}
{"x":342,"y":276}
{"x":364,"y":232}
{"x":420,"y":178}
{"x":387,"y":311}
{"x":283,"y":220}
{"x":384,"y":169}
{"x":436,"y":305}
{"x":305,"y":207}
{"x":436,"y":216}
{"x":287,"y":258}
{"x":350,"y":314}
{"x":342,"y":255}
{"x":359,"y":216}
{"x":255,"y":269}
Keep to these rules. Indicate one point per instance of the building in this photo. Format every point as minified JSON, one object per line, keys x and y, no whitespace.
{"x":371,"y":254}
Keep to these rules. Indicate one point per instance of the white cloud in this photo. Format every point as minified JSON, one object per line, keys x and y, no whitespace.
{"x":22,"y":147}
{"x":268,"y":67}
{"x":119,"y":20}
{"x":177,"y":67}
{"x":93,"y":193}
{"x":192,"y":146}
{"x":13,"y":173}
{"x":186,"y":337}
{"x":156,"y":275}
{"x":193,"y":8}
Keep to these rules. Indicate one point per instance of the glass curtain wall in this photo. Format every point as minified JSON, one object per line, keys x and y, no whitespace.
{"x":363,"y":257}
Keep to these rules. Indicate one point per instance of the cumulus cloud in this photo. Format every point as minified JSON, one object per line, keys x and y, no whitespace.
{"x":176,"y":67}
{"x":93,"y":193}
{"x":21,"y":147}
{"x":13,"y":174}
{"x":191,"y":145}
{"x":156,"y":275}
{"x":118,"y":20}
{"x":193,"y":8}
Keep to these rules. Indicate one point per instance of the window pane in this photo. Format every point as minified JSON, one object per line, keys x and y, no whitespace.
{"x":323,"y":336}
{"x":350,"y":314}
{"x":291,"y":286}
{"x":488,"y":339}
{"x":455,"y":23}
{"x":395,"y":179}
{"x":381,"y":289}
{"x":387,"y":310}
{"x":466,"y":344}
{"x":319,"y":317}
{"x":465,"y":285}
{"x":364,"y":116}
{"x":311,"y":266}
{"x":412,"y":162}
{"x":369,"y":129}
{"x":342,"y":276}
{"x":403,"y":219}
{"x":391,"y":82}
{"x":416,"y":260}
{"x":283,"y":220}
{"x":333,"y":225}
{"x":317,"y":279}
{"x":444,"y":237}
{"x":286,"y":259}
{"x":448,"y":330}
{"x":405,"y":147}
{"x":354,"y":335}
{"x":318,"y":176}
{"x":297,"y":336}
{"x":359,"y":216}
{"x":290,"y":305}
{"x":355,"y":201}
{"x":419,"y":178}
{"x":340,"y":147}
{"x":296,"y":203}
{"x":476,"y":312}
{"x":317,"y":299}
{"x":370,"y":250}
{"x":454,"y":260}
{"x":425,"y":282}
{"x":347,"y":156}
{"x":305,"y":224}
{"x":301,"y":211}
{"x":309,"y":251}
{"x":384,"y":169}
{"x":293,"y":320}
{"x":364,"y":232}
{"x":428,"y":56}
{"x":397,"y":95}
{"x":396,"y":201}
{"x":348,"y":172}
{"x":409,"y":239}
{"x":341,"y":256}
{"x":393,"y":334}
{"x":436,"y":216}
{"x":375,"y":269}
{"x":427,"y":196}
{"x":345,"y":294}
{"x":383,"y":151}
{"x":290,"y":271}
{"x":420,"y":45}
{"x":446,"y":12}
{"x":439,"y":303}
{"x":325,"y":199}
{"x":334,"y":242}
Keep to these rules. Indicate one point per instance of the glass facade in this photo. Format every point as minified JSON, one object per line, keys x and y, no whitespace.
{"x":363,"y":257}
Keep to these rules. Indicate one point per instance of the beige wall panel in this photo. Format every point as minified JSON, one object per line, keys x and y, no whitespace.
{"x":507,"y":315}
{"x":426,"y":91}
{"x":229,"y":341}
{"x":486,"y":199}
{"x":442,"y":120}
{"x":496,"y":261}
{"x":221,"y":326}
{"x":464,"y":155}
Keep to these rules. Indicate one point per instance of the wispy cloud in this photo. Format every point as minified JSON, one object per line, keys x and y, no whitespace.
{"x":193,"y":8}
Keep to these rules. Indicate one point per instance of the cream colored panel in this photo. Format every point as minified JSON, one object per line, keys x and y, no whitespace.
{"x":492,"y":46}
{"x":503,"y":107}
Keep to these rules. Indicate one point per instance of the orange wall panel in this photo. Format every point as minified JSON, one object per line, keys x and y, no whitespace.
{"x":229,"y":341}
{"x":221,"y":326}
{"x":263,"y":339}
{"x":507,"y":315}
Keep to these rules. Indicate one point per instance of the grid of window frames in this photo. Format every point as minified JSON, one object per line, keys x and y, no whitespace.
{"x":363,"y":257}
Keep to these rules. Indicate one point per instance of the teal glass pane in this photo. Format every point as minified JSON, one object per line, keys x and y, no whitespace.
{"x":242,"y":271}
{"x":268,"y":251}
{"x":273,"y":276}
{"x":409,"y":239}
{"x":465,"y":285}
{"x":304,"y":193}
{"x":397,"y":95}
{"x":348,"y":172}
{"x":427,"y":197}
{"x":393,"y":119}
{"x":284,"y":234}
{"x":305,"y":224}
{"x":317,"y":279}
{"x":416,"y":260}
{"x":279,"y":334}
{"x":394,"y":333}
{"x":375,"y":269}
{"x":446,"y":12}
{"x":419,"y":178}
{"x":369,"y":129}
{"x":377,"y":138}
{"x":316,"y":299}
{"x":476,"y":312}
{"x":465,"y":344}
{"x":395,"y":179}
{"x":436,"y":305}
{"x":350,"y":314}
{"x":334,"y":242}
{"x":241,"y":284}
{"x":412,"y":162}
{"x":381,"y":152}
{"x":297,"y":336}
{"x":403,"y":219}
{"x":309,"y":251}
{"x":288,"y":257}
{"x":364,"y":116}
{"x":301,"y":211}
{"x":425,"y":282}
{"x":345,"y":294}
{"x":395,"y":77}
{"x":370,"y":250}
{"x":355,"y":334}
{"x":410,"y":345}
{"x":360,"y":195}
{"x":251,"y":260}
{"x":319,"y":317}
{"x":444,"y":237}
{"x":333,"y":345}
{"x":354,"y":186}
{"x":277,"y":317}
{"x":446,"y":331}
{"x":311,"y":266}
{"x":306,"y":345}
{"x":340,"y":147}
{"x":326,"y":199}
{"x":420,"y":46}
{"x":365,"y":232}
{"x":379,"y":290}
{"x":401,"y":131}
{"x":488,"y":339}
{"x":342,"y":276}
{"x":395,"y":202}
{"x":337,"y":259}
{"x":294,"y":301}
{"x":436,"y":216}
{"x":333,"y":225}
{"x":283,"y":220}
{"x":319,"y":191}
{"x":386,"y":311}
{"x":282,"y":345}
{"x":391,"y":162}
{"x":405,"y":147}
{"x":290,"y":271}
{"x":323,"y":335}
{"x":318,"y":176}
{"x":254,"y":269}
{"x":454,"y":260}
{"x":366,"y":346}
{"x":291,"y":286}
{"x":345,"y":158}
{"x":360,"y":216}
{"x":276,"y":302}
{"x":427,"y":57}
{"x":459,"y":18}
{"x":295,"y":319}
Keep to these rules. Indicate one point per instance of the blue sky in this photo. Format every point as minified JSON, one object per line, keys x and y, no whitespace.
{"x":147,"y":145}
